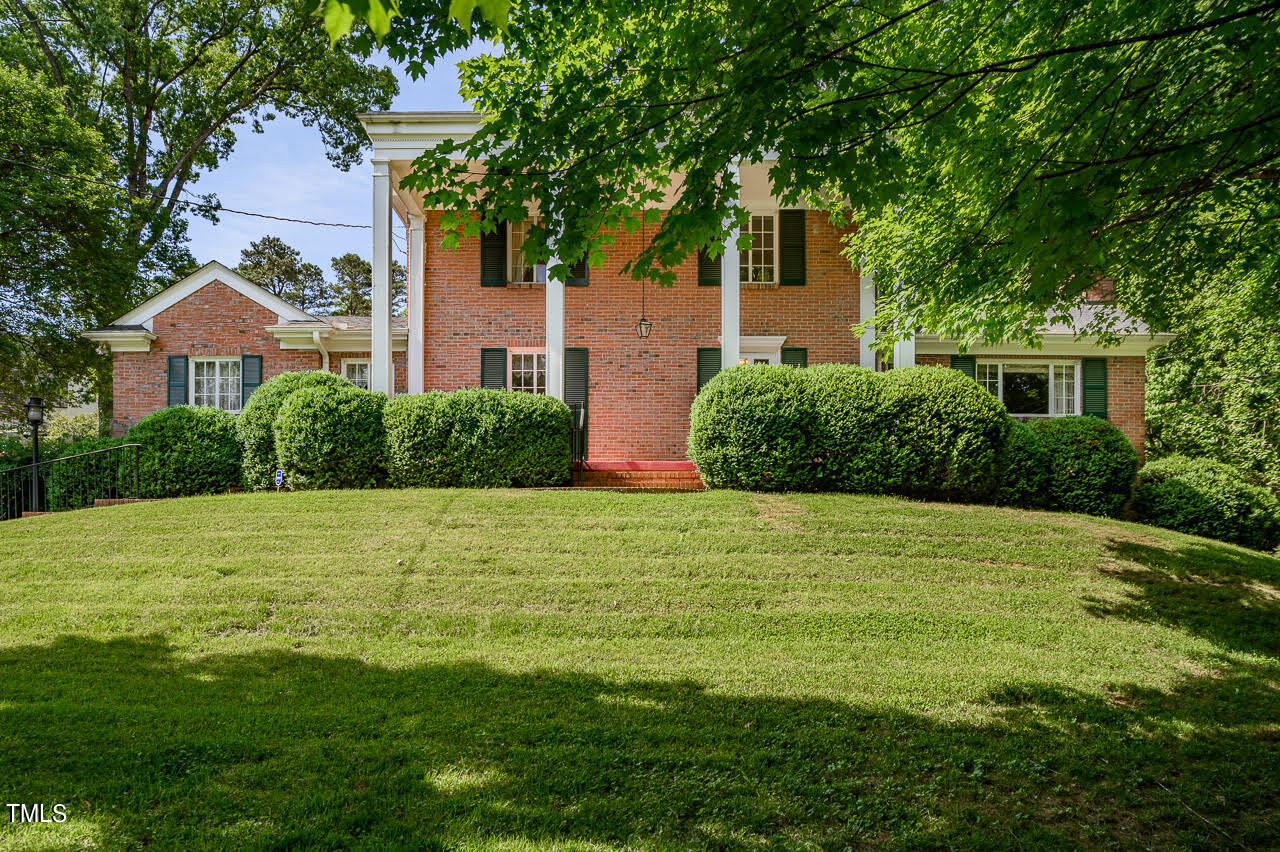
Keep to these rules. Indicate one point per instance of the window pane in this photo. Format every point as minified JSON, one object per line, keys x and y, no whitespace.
{"x":1026,"y":388}
{"x":989,"y":377}
{"x":521,"y":269}
{"x":1064,"y":388}
{"x":757,"y":263}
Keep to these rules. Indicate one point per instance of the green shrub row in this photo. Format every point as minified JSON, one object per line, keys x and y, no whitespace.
{"x":477,"y":438}
{"x":323,"y":432}
{"x":1207,"y":498}
{"x":921,"y":432}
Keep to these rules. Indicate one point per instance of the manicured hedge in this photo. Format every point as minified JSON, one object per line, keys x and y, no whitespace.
{"x":331,"y":436}
{"x":257,"y":420}
{"x":924,"y":432}
{"x":477,"y":438}
{"x":1091,"y":465}
{"x":944,"y":434}
{"x":1023,"y":468}
{"x":756,"y":427}
{"x":186,"y":450}
{"x":1208,"y":498}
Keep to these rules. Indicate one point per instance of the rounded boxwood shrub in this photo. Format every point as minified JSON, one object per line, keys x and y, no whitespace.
{"x":755,"y":427}
{"x":1023,"y":467}
{"x":943,"y":435}
{"x":186,"y":450}
{"x":477,"y":438}
{"x":850,"y":441}
{"x":257,"y":420}
{"x":1091,"y":465}
{"x":1207,"y":498}
{"x":331,"y":436}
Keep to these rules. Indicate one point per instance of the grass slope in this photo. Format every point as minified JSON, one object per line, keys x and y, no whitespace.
{"x":511,"y":670}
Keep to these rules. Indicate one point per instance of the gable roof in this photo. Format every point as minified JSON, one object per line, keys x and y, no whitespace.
{"x":207,"y":274}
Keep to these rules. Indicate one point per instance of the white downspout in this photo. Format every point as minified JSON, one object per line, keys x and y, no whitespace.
{"x":324,"y":353}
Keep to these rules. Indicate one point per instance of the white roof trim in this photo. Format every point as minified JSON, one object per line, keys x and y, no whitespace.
{"x":1051,"y":344}
{"x":210,"y":272}
{"x":333,"y":339}
{"x":122,"y":339}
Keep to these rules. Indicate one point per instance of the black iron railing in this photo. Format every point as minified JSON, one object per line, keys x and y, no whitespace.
{"x":577,"y":438}
{"x":70,"y":482}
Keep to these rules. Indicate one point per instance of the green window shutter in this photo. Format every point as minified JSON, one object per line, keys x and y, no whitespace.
{"x":577,"y":274}
{"x":575,"y":384}
{"x":967,"y":364}
{"x":250,"y":376}
{"x":708,"y":269}
{"x":795,"y":356}
{"x":791,"y":245}
{"x":1093,"y":382}
{"x":493,"y":257}
{"x":708,"y":364}
{"x":493,"y":368}
{"x":177,"y":380}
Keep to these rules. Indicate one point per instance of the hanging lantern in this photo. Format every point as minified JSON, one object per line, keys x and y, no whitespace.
{"x":644,"y":326}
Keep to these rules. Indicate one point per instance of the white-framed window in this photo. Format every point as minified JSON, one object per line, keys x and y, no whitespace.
{"x":759,"y":264}
{"x":356,"y":371}
{"x":215,"y":383}
{"x":1033,"y":388}
{"x":527,"y":370}
{"x":519,"y":270}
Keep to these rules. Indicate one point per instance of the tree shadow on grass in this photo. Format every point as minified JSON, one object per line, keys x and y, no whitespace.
{"x":289,"y":750}
{"x":1226,"y":594}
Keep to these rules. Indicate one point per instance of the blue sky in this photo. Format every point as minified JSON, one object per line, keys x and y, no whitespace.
{"x":284,"y":172}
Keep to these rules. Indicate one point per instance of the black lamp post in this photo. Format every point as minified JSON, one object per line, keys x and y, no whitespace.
{"x":35,"y":416}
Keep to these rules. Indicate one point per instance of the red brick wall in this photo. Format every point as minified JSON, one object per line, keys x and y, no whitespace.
{"x":639,"y":391}
{"x":1126,"y":383}
{"x":398,"y":362}
{"x":215,"y":320}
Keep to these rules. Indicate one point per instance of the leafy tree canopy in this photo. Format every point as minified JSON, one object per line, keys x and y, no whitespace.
{"x":1215,"y":390}
{"x":997,"y":158}
{"x":170,"y":83}
{"x":57,"y":210}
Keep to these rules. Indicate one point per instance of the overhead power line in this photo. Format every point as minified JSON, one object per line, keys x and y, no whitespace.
{"x":199,"y":205}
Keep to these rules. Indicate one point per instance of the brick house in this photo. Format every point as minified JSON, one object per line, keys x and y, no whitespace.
{"x":480,"y":315}
{"x":214,"y":336}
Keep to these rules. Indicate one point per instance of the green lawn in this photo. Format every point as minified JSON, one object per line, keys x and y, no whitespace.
{"x":586,"y":670}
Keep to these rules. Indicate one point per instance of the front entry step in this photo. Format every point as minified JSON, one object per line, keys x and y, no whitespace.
{"x":638,"y":476}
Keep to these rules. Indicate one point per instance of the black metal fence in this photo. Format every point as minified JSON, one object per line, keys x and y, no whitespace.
{"x":70,"y":482}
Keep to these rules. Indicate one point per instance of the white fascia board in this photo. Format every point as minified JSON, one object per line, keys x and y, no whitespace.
{"x":1051,"y":344}
{"x":122,"y":340}
{"x":405,"y":135}
{"x":210,"y":272}
{"x":302,"y":337}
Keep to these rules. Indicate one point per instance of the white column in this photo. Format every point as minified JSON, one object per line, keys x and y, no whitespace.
{"x":730,"y":289}
{"x":380,"y":332}
{"x":904,"y":352}
{"x":555,"y":331}
{"x":416,"y":303}
{"x":867,"y":308}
